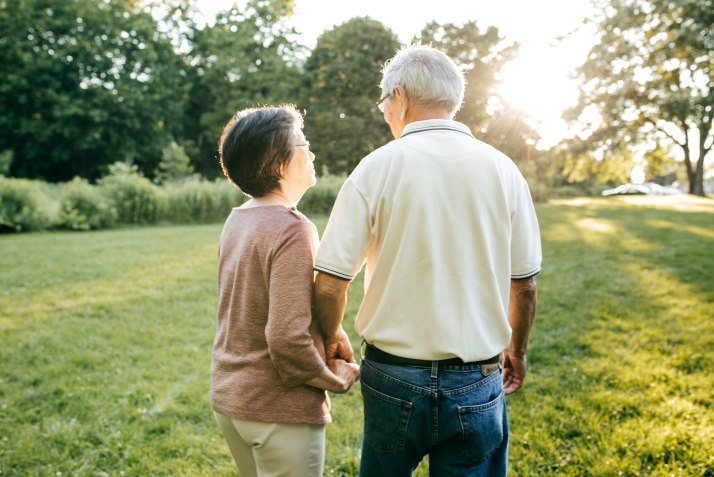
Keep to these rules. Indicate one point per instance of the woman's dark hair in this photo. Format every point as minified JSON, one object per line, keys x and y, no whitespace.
{"x":256,"y":146}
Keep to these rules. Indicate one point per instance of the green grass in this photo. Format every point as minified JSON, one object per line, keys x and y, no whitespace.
{"x":105,"y":342}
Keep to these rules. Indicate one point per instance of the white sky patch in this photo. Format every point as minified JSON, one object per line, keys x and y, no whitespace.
{"x":540,"y":80}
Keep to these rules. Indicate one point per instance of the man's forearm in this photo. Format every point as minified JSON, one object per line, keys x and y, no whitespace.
{"x":329,"y":302}
{"x":521,"y":314}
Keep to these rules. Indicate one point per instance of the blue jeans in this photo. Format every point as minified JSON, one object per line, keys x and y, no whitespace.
{"x":453,"y":413}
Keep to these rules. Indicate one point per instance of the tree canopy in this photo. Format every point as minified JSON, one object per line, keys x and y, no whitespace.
{"x":244,"y":60}
{"x":84,"y":84}
{"x":340,"y":89}
{"x":651,"y":77}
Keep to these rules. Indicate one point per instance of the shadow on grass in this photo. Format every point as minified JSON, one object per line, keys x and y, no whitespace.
{"x":618,"y":378}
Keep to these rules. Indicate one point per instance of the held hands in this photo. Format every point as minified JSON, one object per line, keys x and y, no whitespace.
{"x":347,"y":372}
{"x":339,"y":346}
{"x":340,"y":359}
{"x":514,"y":371}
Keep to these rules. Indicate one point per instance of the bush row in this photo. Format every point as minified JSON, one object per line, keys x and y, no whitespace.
{"x":125,"y":197}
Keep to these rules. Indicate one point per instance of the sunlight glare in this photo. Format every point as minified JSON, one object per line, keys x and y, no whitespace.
{"x":538,"y":83}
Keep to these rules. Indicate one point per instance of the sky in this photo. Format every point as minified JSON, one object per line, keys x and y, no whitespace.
{"x":540,"y":80}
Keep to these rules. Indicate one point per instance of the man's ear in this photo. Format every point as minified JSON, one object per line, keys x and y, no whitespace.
{"x":401,"y":96}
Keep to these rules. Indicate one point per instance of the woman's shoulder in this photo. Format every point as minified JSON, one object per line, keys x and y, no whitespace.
{"x":278,"y":220}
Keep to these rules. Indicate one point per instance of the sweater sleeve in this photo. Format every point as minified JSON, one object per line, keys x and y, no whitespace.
{"x":290,"y":344}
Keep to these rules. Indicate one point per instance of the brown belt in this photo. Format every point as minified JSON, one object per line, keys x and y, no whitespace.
{"x":375,"y":354}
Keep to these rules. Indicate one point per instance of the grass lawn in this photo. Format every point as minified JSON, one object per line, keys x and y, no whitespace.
{"x":105,"y":342}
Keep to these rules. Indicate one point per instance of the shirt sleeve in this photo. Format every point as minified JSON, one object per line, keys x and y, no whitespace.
{"x":287,"y":333}
{"x":526,"y":255}
{"x":347,"y":238}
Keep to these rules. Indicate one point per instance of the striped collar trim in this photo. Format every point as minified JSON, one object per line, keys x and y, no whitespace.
{"x":437,"y":127}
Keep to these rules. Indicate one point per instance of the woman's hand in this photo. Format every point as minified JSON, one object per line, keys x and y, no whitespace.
{"x":338,"y":382}
{"x":347,"y":371}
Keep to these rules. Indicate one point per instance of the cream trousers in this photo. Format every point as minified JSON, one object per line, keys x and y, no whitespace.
{"x":270,"y":449}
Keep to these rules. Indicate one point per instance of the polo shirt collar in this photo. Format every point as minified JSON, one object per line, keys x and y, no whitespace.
{"x":435,"y":125}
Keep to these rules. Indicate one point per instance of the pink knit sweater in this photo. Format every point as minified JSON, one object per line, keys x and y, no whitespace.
{"x":267,"y":344}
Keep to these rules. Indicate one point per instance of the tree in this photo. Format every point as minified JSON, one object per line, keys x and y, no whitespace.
{"x":341,"y":87}
{"x":175,"y":165}
{"x":651,"y":76}
{"x":244,"y":60}
{"x":84,"y":84}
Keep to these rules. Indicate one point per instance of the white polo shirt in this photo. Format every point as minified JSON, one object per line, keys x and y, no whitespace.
{"x":443,"y":222}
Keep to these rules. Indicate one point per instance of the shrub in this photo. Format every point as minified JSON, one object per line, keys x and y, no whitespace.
{"x":227,"y":196}
{"x":83,"y":207}
{"x":135,"y":198}
{"x":199,"y":201}
{"x":27,"y":205}
{"x":581,"y":189}
{"x":174,"y":166}
{"x":6,"y":158}
{"x":320,"y":198}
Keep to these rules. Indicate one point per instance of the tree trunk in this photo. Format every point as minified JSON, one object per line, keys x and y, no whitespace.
{"x":691,"y":174}
{"x":696,"y":187}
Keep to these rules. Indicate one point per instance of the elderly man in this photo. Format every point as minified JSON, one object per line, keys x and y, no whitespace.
{"x":447,"y":228}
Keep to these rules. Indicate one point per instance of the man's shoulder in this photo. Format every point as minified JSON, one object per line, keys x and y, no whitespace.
{"x":376,"y":159}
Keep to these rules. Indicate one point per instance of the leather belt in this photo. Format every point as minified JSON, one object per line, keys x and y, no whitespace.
{"x":375,"y":354}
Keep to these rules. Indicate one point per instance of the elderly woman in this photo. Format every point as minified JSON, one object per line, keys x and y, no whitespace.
{"x":268,"y":375}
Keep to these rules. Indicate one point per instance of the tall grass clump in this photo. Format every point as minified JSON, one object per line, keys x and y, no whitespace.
{"x":84,"y":207}
{"x":319,"y":199}
{"x":126,"y":197}
{"x":194,"y":200}
{"x":27,"y":205}
{"x":135,"y":198}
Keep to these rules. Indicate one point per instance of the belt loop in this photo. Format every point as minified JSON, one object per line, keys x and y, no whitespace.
{"x":361,"y":350}
{"x":434,"y":369}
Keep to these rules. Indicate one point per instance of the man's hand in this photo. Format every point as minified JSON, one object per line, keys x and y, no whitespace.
{"x":514,"y":372}
{"x":339,"y":347}
{"x":347,"y":371}
{"x":521,"y":313}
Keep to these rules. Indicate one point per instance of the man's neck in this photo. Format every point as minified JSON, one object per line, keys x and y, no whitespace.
{"x":418,"y":114}
{"x":425,"y":114}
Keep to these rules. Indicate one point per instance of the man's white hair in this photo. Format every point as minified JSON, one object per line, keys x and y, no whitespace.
{"x":430,"y":78}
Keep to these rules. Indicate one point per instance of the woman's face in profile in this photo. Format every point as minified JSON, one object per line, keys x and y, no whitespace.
{"x":301,"y":170}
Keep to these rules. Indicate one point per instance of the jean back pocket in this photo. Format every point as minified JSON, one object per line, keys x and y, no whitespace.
{"x":386,"y":420}
{"x":482,"y":430}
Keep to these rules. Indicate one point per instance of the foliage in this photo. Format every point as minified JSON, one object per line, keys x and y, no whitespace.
{"x":26,"y":205}
{"x":341,"y":87}
{"x":84,"y":207}
{"x":6,"y":158}
{"x":199,"y":201}
{"x":175,"y":164}
{"x":651,"y":77}
{"x":245,"y":60}
{"x":128,"y":317}
{"x":125,"y":197}
{"x":134,"y":197}
{"x":85,"y":84}
{"x":320,"y":198}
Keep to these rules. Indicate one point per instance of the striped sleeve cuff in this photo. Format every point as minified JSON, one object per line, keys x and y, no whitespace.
{"x":333,"y":272}
{"x":523,"y":276}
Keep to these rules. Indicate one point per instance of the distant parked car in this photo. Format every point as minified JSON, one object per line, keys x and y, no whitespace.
{"x":669,"y":190}
{"x":628,"y":189}
{"x":646,"y":188}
